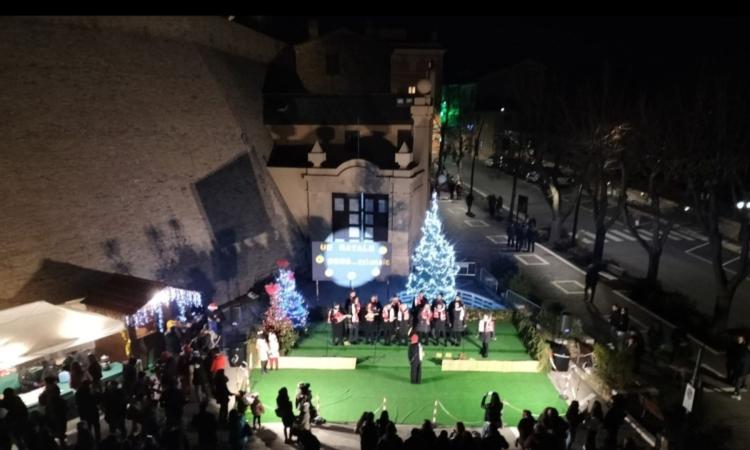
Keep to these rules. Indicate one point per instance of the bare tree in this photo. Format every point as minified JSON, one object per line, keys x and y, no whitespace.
{"x":600,"y":137}
{"x":716,"y":167}
{"x":656,"y":168}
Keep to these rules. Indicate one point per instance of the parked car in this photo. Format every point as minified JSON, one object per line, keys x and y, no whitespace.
{"x":533,"y":176}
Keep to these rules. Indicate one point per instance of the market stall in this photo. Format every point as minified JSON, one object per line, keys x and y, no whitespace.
{"x":146,"y":307}
{"x":40,"y":331}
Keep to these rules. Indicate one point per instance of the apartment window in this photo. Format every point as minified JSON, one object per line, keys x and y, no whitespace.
{"x":360,"y":217}
{"x":412,"y":90}
{"x":333,"y":64}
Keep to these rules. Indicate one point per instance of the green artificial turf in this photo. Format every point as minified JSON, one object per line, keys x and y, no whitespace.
{"x":345,"y":394}
{"x":383,"y":372}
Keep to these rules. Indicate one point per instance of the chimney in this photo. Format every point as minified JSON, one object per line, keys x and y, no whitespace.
{"x":312,"y":28}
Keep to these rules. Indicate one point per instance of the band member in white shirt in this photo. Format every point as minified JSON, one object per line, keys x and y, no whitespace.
{"x":416,"y":355}
{"x":486,"y":333}
{"x":458,"y":320}
{"x":389,"y":320}
{"x":346,"y":308}
{"x":440,"y":321}
{"x":404,"y":323}
{"x":353,"y":314}
{"x":372,"y":313}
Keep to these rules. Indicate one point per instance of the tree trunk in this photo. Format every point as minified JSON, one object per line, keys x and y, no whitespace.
{"x":512,"y":217}
{"x":554,"y":229}
{"x":652,"y":276}
{"x":721,"y":310}
{"x":601,"y":234}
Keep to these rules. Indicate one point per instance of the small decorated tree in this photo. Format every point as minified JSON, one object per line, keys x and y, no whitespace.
{"x":434,"y":267}
{"x":277,"y":321}
{"x":291,"y":301}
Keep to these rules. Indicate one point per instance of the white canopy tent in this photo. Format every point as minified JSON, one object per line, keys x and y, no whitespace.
{"x":34,"y":330}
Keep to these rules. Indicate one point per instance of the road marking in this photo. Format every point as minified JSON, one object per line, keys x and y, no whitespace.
{"x":681,"y":236}
{"x":592,"y":236}
{"x":498,"y":238}
{"x":648,"y":234}
{"x":476,"y":223}
{"x":690,"y":252}
{"x":560,"y":285}
{"x":563,"y":260}
{"x":623,"y":235}
{"x":731,"y":261}
{"x":587,"y":241}
{"x":480,"y":192}
{"x":613,"y":237}
{"x":539,"y":260}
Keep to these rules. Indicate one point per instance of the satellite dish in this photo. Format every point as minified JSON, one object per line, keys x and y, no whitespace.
{"x":442,"y":179}
{"x":424,"y":87}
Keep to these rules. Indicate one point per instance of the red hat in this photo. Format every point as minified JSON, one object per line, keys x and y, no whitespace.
{"x":414,"y":338}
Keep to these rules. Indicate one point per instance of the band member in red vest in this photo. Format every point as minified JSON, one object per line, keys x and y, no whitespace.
{"x":440,"y":321}
{"x":353,"y":317}
{"x":389,"y":320}
{"x":336,"y":319}
{"x":486,"y":333}
{"x":372,"y":314}
{"x":458,"y":320}
{"x":423,"y":323}
{"x":404,"y":323}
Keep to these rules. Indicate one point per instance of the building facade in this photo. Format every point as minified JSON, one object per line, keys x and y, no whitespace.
{"x":351,"y":153}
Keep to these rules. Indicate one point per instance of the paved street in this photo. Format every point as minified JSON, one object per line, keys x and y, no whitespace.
{"x":685,"y":264}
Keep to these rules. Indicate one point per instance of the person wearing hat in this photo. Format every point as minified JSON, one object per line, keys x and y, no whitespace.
{"x":416,"y":355}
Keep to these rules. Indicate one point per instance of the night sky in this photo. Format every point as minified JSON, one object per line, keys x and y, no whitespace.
{"x":652,"y":48}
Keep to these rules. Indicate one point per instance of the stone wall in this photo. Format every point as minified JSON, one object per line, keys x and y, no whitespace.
{"x":137,"y":146}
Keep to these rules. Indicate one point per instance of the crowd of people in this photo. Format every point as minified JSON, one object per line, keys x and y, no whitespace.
{"x":145,"y":410}
{"x":394,"y":323}
{"x":522,"y":235}
{"x":550,"y":431}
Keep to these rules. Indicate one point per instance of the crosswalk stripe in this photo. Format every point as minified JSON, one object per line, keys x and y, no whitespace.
{"x":673,"y":237}
{"x":592,"y":236}
{"x":645,"y":233}
{"x":683,"y":236}
{"x":613,"y":237}
{"x":623,"y":234}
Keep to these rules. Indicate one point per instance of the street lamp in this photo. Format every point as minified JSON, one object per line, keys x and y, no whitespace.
{"x":743,"y":205}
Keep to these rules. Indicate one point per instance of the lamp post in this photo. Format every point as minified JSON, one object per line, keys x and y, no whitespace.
{"x":470,"y":197}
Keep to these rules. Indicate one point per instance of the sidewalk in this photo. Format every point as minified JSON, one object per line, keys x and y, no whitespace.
{"x":555,"y":279}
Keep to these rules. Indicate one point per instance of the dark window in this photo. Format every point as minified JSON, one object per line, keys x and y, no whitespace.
{"x":333,"y":65}
{"x":405,"y":136}
{"x":351,"y":140}
{"x":360,"y":216}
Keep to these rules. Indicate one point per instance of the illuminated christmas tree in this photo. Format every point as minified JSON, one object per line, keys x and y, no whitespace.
{"x":277,"y":321}
{"x":434,"y":265}
{"x":291,"y":301}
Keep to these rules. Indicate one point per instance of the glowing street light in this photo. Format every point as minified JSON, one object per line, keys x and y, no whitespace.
{"x":742,"y":205}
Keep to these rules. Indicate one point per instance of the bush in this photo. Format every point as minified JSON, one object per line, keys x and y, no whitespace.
{"x":674,"y":306}
{"x":521,"y":285}
{"x":533,"y":338}
{"x":614,"y":367}
{"x":475,"y":314}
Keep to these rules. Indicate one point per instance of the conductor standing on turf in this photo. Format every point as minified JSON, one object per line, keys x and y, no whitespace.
{"x":416,"y":354}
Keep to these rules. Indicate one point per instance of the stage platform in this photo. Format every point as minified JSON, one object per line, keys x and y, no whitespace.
{"x":507,"y":347}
